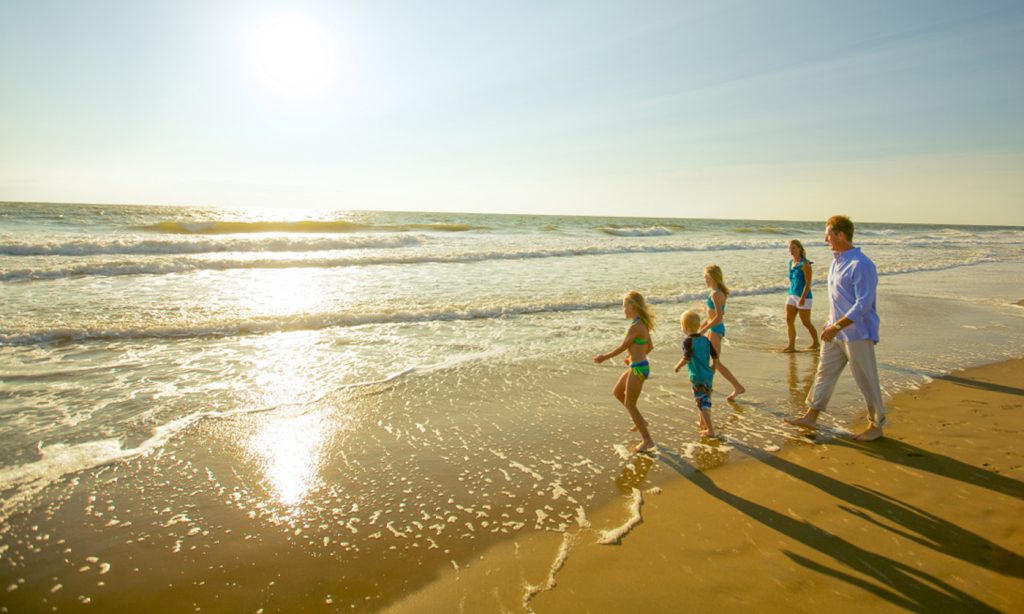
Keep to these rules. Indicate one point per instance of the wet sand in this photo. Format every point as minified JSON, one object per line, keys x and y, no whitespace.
{"x":931,"y":518}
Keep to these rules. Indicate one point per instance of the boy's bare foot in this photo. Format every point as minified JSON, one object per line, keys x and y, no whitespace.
{"x":814,"y":346}
{"x":869,"y":434}
{"x":809,"y":420}
{"x":788,"y":350}
{"x":644,"y":446}
{"x":735,"y":393}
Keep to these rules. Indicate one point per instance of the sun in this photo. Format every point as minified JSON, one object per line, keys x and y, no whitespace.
{"x":294,"y":56}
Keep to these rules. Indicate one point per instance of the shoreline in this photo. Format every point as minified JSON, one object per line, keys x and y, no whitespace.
{"x":927,"y":518}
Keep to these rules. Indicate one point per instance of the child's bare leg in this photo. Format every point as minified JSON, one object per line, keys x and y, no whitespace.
{"x":705,"y":415}
{"x":737,"y":387}
{"x":635,"y":384}
{"x":619,"y":391}
{"x":790,"y":328}
{"x":805,"y":319}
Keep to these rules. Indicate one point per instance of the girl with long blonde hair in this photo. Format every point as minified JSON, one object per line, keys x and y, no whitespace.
{"x":637,"y":342}
{"x":714,"y":326}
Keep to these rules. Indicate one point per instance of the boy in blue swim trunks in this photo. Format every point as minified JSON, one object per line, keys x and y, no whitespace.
{"x":699,"y":356}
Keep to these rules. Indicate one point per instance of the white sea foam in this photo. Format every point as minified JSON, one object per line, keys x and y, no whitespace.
{"x":652,"y":231}
{"x":60,"y":459}
{"x":187,"y":265}
{"x":319,"y":321}
{"x":110,"y":246}
{"x":615,"y":534}
{"x":266,"y":325}
{"x":561,"y":556}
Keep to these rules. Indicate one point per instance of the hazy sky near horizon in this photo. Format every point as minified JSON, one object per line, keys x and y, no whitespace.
{"x":907,"y":111}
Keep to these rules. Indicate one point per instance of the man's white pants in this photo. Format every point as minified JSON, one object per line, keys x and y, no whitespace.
{"x":860,"y":354}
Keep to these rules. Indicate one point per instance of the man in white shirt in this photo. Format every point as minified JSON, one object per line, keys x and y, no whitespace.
{"x":851,"y":333}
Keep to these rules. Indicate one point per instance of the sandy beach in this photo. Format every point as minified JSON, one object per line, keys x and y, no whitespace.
{"x":928,"y":519}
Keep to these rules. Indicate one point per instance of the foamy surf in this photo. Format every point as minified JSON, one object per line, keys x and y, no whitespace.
{"x":653,"y":231}
{"x":561,"y":556}
{"x":300,"y":226}
{"x":20,"y":482}
{"x":130,"y":246}
{"x":614,"y":535}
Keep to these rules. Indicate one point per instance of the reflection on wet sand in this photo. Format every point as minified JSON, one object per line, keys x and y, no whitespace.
{"x":799,"y":387}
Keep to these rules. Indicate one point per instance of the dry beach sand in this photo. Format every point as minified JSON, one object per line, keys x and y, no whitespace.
{"x":928,"y":519}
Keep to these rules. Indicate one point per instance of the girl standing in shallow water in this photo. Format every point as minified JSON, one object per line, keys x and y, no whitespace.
{"x":799,"y":298}
{"x":638,"y":343}
{"x":714,"y":325}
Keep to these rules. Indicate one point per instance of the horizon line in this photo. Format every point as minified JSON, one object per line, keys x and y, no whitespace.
{"x":647,"y":217}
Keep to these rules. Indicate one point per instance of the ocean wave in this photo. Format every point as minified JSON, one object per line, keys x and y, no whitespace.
{"x":266,"y":325}
{"x":324,"y":320}
{"x":652,"y":231}
{"x":186,"y":265}
{"x":769,"y":230}
{"x":100,"y":247}
{"x":944,"y":266}
{"x":189,"y":265}
{"x":298,"y":226}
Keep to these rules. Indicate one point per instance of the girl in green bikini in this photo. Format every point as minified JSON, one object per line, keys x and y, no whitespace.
{"x":638,"y":344}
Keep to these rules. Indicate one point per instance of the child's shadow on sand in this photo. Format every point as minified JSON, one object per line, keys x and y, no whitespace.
{"x":898,"y":583}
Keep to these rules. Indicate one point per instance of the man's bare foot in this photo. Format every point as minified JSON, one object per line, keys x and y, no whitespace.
{"x":644,"y":446}
{"x":788,"y":350}
{"x":735,"y":393}
{"x":809,"y":420}
{"x":814,"y":346}
{"x":710,"y":434}
{"x":869,"y":434}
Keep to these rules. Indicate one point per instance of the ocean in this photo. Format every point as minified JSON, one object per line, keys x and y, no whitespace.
{"x":202,"y":401}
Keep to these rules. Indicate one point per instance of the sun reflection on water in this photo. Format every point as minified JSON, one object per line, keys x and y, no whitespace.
{"x":291,"y":448}
{"x":291,"y":440}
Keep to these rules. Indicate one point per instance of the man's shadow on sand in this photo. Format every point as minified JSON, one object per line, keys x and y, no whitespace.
{"x":971,"y":383}
{"x":898,"y":583}
{"x":920,"y":526}
{"x":907,"y":455}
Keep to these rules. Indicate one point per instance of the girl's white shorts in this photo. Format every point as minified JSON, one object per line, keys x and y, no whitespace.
{"x":794,"y":300}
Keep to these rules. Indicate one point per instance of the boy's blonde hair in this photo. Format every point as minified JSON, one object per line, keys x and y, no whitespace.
{"x":689,"y":322}
{"x":642,"y":308}
{"x":715,"y":273}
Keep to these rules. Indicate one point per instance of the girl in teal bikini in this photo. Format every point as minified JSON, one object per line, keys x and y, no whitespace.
{"x":714,"y":325}
{"x":638,"y":344}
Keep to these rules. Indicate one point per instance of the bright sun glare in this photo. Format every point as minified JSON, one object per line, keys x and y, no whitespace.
{"x":294,"y":57}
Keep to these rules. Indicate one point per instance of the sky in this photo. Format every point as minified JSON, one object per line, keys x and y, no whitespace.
{"x":888,"y":111}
